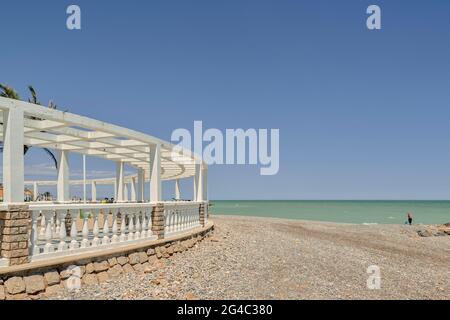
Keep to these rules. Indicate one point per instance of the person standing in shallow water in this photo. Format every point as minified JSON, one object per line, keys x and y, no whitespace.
{"x":410,"y":219}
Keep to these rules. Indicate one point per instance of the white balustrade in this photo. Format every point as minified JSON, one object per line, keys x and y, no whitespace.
{"x":95,"y":227}
{"x":181,"y":216}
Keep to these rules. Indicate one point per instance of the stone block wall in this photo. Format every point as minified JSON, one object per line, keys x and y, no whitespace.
{"x":14,"y":228}
{"x":47,"y":282}
{"x":202,"y":214}
{"x":158,"y":220}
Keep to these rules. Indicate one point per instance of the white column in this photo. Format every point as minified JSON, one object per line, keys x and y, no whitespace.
{"x":177,"y":190}
{"x":94,"y":191}
{"x":133,"y":189}
{"x":13,"y":166}
{"x":194,"y":185}
{"x":125,"y":192}
{"x":35,"y":191}
{"x":84,"y":178}
{"x":119,"y":181}
{"x":63,"y":177}
{"x":155,"y":173}
{"x":140,"y":185}
{"x":198,"y":183}
{"x":205,"y":183}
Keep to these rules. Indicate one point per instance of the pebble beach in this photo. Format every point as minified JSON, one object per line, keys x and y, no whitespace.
{"x":269,"y":258}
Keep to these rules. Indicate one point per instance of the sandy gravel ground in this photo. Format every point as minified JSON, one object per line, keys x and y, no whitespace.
{"x":261,"y":258}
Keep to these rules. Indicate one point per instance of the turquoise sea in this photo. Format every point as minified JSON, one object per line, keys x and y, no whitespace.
{"x":382,"y":212}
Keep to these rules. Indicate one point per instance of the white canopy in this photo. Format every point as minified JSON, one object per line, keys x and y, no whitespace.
{"x":48,"y":128}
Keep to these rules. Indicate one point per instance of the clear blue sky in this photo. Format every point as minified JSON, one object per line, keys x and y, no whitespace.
{"x":362,"y":114}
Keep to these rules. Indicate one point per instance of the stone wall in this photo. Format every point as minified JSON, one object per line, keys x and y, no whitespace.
{"x":14,"y":225}
{"x":37,"y":283}
{"x":202,"y":214}
{"x":158,"y":220}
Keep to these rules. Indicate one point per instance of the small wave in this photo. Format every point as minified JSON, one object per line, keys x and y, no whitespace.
{"x":391,"y":217}
{"x":369,"y":223}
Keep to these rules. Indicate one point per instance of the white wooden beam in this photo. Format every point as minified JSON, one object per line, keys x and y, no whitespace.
{"x":155,"y":173}
{"x":63,"y":186}
{"x":177,"y":189}
{"x":140,"y":185}
{"x":94,"y":191}
{"x":13,"y":165}
{"x":120,"y":190}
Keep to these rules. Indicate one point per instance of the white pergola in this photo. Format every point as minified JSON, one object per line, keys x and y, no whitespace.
{"x":154,"y":159}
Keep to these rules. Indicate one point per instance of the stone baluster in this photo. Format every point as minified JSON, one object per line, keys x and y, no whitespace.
{"x":180,"y":219}
{"x":95,"y":229}
{"x":188,"y":218}
{"x":172,"y":221}
{"x":149,"y":222}
{"x":166,"y":221}
{"x":48,"y":232}
{"x":53,"y":224}
{"x":130,"y":226}
{"x":43,"y":226}
{"x":194,"y":214}
{"x":73,"y":229}
{"x":138,"y":226}
{"x":186,"y":215}
{"x":115,"y":237}
{"x":57,"y":225}
{"x":61,"y":216}
{"x":144,"y":232}
{"x":106,"y":239}
{"x":34,"y":247}
{"x":85,"y":231}
{"x":123,"y":227}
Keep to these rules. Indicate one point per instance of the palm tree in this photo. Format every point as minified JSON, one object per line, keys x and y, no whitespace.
{"x":8,"y":92}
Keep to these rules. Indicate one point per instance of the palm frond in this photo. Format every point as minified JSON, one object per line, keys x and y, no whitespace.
{"x":33,"y":96}
{"x":52,"y":156}
{"x":8,"y":92}
{"x":52,"y":105}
